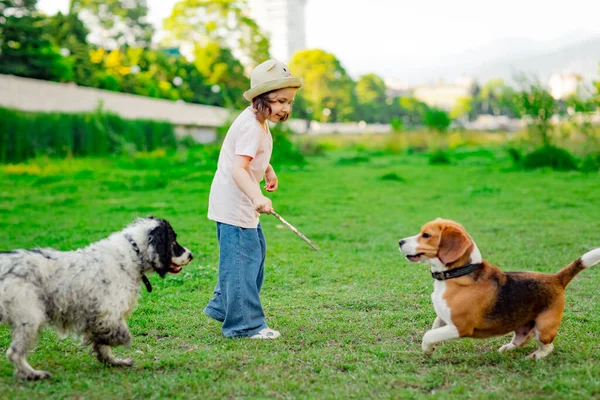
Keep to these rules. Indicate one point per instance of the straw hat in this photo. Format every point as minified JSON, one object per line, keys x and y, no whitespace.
{"x":270,"y":75}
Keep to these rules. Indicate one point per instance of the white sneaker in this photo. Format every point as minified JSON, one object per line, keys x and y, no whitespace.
{"x":266,"y":333}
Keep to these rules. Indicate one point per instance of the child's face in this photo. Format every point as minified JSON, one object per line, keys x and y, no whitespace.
{"x":281,"y":103}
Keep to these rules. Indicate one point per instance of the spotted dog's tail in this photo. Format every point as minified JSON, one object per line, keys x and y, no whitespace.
{"x":587,"y":260}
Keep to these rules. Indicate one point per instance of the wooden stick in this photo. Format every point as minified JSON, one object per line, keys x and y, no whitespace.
{"x":296,"y":231}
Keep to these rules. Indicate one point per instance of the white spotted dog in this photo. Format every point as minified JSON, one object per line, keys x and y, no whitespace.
{"x":473,"y":298}
{"x":88,"y":292}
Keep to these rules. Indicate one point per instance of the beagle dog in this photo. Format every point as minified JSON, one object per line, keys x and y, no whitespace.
{"x":473,"y":298}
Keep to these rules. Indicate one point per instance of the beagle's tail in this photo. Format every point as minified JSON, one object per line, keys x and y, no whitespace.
{"x":587,"y":260}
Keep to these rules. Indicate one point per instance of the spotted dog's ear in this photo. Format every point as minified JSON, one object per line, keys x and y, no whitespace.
{"x":454,"y":243}
{"x":161,"y":239}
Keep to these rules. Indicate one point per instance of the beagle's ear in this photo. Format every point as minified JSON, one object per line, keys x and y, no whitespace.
{"x":453,"y":244}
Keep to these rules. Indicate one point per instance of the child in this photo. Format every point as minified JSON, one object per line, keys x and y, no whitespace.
{"x":236,"y":201}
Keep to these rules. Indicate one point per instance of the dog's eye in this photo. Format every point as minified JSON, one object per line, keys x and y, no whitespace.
{"x":425,"y":235}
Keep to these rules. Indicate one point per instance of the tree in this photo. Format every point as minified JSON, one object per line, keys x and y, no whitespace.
{"x":371,"y":95}
{"x":578,"y":104}
{"x":69,"y":33}
{"x":370,"y":88}
{"x":17,"y":7}
{"x":437,"y":120}
{"x":121,"y":22}
{"x":580,"y":109}
{"x":495,"y":98}
{"x":328,"y":90}
{"x":223,"y":72}
{"x":413,"y":109}
{"x":538,"y":105}
{"x":462,"y":108}
{"x":25,"y":48}
{"x":223,"y":22}
{"x":195,"y":87}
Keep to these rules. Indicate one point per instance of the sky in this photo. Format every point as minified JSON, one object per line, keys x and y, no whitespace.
{"x":372,"y":35}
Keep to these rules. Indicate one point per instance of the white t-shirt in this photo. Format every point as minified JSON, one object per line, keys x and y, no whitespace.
{"x":227,"y":203}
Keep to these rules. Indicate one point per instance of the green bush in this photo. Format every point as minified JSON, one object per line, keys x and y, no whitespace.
{"x":25,"y":135}
{"x":591,"y":163}
{"x":439,"y":158}
{"x":550,"y":156}
{"x":312,"y":148}
{"x":397,"y":124}
{"x":437,"y":120}
{"x":352,"y":160}
{"x":515,"y":155}
{"x":472,"y":156}
{"x":392,"y":176}
{"x":285,"y":151}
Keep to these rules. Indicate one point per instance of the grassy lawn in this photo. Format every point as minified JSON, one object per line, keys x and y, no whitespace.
{"x":352,"y":315}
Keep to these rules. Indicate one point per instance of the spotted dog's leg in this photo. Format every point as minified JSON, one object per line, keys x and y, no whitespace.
{"x":111,"y":337}
{"x":26,"y":317}
{"x":104,"y":355}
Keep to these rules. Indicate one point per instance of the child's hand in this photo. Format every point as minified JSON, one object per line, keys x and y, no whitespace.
{"x":271,"y":180}
{"x":263,"y":205}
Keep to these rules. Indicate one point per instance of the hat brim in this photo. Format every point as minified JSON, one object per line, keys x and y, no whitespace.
{"x":272,"y":85}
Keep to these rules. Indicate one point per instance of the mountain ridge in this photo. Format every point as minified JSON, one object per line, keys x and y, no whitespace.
{"x":507,"y":58}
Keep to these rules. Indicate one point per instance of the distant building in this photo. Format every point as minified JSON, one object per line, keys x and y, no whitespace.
{"x":444,"y":95}
{"x":495,"y":123}
{"x":562,"y":86}
{"x":397,"y":88}
{"x":284,"y":22}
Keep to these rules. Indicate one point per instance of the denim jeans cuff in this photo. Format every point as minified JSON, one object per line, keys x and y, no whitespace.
{"x":247,"y":333}
{"x":214,"y":314}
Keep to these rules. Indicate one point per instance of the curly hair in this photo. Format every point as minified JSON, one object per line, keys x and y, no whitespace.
{"x":262,"y":107}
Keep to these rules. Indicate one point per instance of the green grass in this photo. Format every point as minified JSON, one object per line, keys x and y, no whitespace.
{"x":352,"y":315}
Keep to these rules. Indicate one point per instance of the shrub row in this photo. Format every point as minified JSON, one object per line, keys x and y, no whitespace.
{"x":25,"y":135}
{"x":543,"y":157}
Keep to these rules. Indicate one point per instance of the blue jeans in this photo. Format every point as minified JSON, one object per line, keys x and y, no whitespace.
{"x":236,"y":300}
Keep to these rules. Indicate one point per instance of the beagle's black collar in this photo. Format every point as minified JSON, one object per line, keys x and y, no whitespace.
{"x":137,"y":251}
{"x":455,"y":272}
